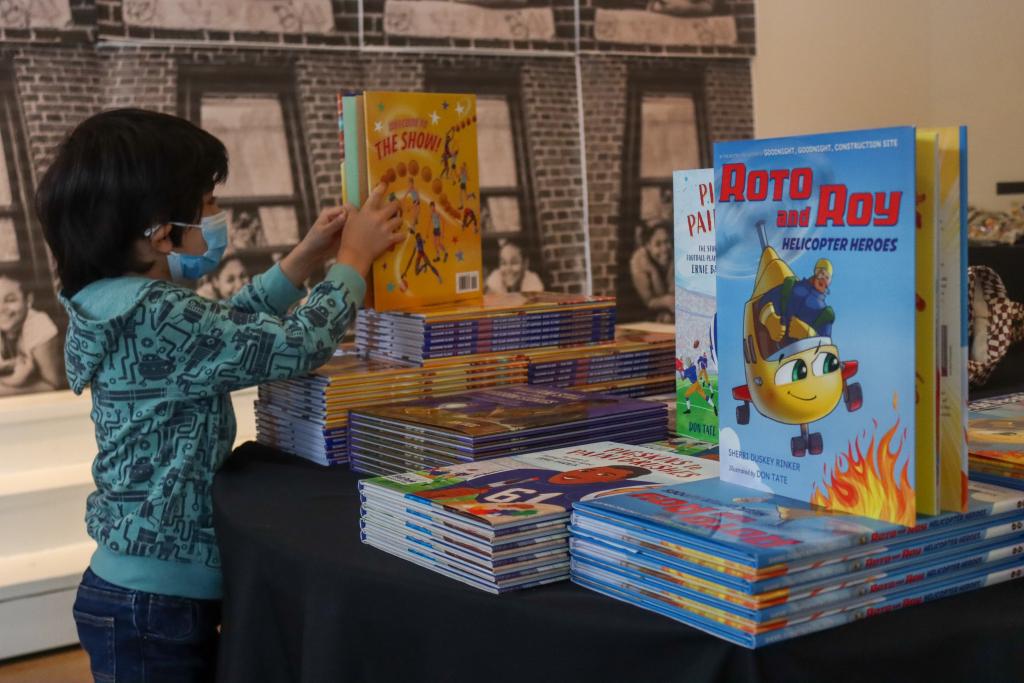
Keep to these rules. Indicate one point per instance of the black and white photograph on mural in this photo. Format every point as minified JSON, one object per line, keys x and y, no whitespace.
{"x":31,"y":345}
{"x":595,"y":101}
{"x":664,"y":132}
{"x":660,"y":79}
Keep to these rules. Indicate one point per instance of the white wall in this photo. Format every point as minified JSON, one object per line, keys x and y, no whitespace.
{"x":826,"y":65}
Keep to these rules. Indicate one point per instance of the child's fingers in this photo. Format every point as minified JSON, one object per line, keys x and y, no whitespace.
{"x":373,"y":201}
{"x":331,"y":213}
{"x":394,"y":224}
{"x":397,"y":237}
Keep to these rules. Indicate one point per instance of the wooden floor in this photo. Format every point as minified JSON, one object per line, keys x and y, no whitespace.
{"x":68,"y":665}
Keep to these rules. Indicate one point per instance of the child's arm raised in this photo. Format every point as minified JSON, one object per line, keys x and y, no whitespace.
{"x":275,"y":290}
{"x":215,"y":348}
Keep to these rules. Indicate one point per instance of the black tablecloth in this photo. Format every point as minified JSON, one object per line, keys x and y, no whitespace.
{"x":306,"y":601}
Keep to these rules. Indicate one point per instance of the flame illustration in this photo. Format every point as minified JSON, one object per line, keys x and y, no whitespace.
{"x":865,"y":481}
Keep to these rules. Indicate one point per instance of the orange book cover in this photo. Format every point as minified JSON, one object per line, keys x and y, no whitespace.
{"x":424,"y":147}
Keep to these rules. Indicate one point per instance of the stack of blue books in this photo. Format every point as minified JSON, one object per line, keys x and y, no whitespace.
{"x":754,"y":568}
{"x":497,"y":323}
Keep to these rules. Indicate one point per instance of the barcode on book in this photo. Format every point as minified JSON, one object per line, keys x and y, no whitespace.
{"x":467,"y":282}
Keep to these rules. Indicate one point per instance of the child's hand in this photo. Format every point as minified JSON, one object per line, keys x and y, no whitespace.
{"x":320,"y":244}
{"x":369,"y":231}
{"x":324,"y":238}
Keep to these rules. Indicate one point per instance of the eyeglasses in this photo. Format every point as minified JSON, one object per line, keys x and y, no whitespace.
{"x":149,"y":231}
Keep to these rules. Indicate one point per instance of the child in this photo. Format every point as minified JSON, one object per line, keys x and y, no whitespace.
{"x":127,"y":207}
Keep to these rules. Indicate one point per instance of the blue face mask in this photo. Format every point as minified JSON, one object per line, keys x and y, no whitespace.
{"x":190,"y":267}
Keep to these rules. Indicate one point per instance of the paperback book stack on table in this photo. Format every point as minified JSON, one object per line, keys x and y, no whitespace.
{"x":308,"y":416}
{"x":495,"y":323}
{"x":635,"y":364}
{"x":491,"y":423}
{"x":755,"y":568}
{"x":995,"y":441}
{"x":500,"y":524}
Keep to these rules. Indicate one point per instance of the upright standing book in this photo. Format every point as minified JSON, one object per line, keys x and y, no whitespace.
{"x":816,"y":246}
{"x":423,"y":147}
{"x":952,"y":348}
{"x":696,"y":346}
{"x":926,"y":201}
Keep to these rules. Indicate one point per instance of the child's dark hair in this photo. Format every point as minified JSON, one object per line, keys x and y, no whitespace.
{"x":117,"y":174}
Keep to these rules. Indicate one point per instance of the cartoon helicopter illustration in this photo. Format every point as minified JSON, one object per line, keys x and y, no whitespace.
{"x":792,"y":367}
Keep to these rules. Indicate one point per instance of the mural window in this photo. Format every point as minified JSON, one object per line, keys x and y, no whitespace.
{"x":13,"y":218}
{"x":511,"y":246}
{"x":267,"y":194}
{"x":664,"y":132}
{"x":31,"y":321}
{"x":23,"y":253}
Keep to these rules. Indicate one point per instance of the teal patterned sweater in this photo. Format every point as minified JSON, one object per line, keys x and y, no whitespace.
{"x":160,"y":362}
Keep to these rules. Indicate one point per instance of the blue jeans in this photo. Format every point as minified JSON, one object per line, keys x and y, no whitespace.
{"x":137,"y":637}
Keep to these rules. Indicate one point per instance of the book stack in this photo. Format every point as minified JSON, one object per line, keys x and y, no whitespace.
{"x":491,"y":423}
{"x":496,"y":323}
{"x":635,"y":364}
{"x":754,"y":568}
{"x":995,"y":441}
{"x":308,"y":416}
{"x":500,"y":524}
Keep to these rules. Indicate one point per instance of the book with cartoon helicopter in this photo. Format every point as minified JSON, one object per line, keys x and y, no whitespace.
{"x":423,"y":146}
{"x":817,"y":241}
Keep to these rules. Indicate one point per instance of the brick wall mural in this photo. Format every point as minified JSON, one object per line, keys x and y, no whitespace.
{"x":585,"y":107}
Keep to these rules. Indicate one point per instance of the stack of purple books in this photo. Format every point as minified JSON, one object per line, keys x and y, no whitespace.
{"x":490,"y":423}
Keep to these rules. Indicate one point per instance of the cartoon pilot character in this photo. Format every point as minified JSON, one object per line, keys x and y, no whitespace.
{"x":792,"y":367}
{"x":797,"y":309}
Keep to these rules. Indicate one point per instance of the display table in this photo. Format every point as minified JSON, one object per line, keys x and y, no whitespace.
{"x":306,"y":601}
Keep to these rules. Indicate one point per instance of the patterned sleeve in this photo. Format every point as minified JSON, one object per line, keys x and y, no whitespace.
{"x":216,"y":347}
{"x":269,"y":292}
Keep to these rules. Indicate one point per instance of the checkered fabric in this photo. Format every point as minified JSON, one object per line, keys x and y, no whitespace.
{"x":1003,"y":326}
